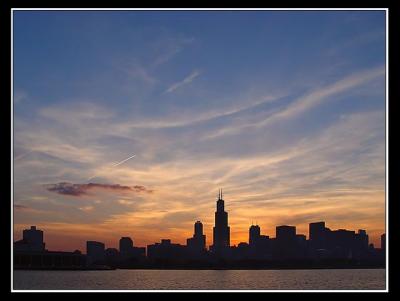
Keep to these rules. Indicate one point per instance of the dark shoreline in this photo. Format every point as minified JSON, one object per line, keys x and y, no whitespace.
{"x":200,"y":269}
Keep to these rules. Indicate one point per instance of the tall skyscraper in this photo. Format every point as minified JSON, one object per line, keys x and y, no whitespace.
{"x":221,"y":230}
{"x":285,"y":242}
{"x":198,"y":229}
{"x":254,"y":234}
{"x":197,"y":243}
{"x":318,"y":235}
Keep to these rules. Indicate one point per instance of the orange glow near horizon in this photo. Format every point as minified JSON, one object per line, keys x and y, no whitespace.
{"x":69,"y":237}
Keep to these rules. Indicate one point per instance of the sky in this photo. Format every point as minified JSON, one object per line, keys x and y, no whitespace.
{"x":283,"y":110}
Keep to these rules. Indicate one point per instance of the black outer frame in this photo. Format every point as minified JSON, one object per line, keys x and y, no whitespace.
{"x":394,"y":81}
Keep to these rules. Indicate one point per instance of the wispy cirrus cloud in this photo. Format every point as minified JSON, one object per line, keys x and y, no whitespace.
{"x":315,"y":97}
{"x":86,"y":208}
{"x":167,"y":48}
{"x":183,"y":120}
{"x":125,"y":202}
{"x":187,"y":80}
{"x":136,"y":71}
{"x":306,"y":102}
{"x":66,"y":188}
{"x":20,"y":95}
{"x":171,"y":47}
{"x":357,"y":40}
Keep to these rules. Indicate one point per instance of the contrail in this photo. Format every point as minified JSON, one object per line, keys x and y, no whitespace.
{"x":23,"y":155}
{"x":116,"y":164}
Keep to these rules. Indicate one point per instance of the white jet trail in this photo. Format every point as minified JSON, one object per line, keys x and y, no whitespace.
{"x":116,"y":164}
{"x":119,"y":163}
{"x":23,"y":155}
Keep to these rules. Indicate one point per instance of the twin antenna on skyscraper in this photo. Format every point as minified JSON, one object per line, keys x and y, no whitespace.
{"x":220,"y":194}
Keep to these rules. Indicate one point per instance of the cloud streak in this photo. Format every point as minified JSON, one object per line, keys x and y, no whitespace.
{"x":307,"y":102}
{"x":201,"y":117}
{"x":314,"y":98}
{"x":20,"y":96}
{"x":20,"y":207}
{"x":185,"y":81}
{"x":77,"y":190}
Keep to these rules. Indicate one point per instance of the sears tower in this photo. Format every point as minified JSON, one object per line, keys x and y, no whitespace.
{"x":221,"y":231}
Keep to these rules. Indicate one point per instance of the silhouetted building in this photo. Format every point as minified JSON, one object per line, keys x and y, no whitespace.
{"x":30,"y":253}
{"x":301,"y":238}
{"x":259,"y":245}
{"x":325,"y":248}
{"x":342,"y":243}
{"x":240,"y":252}
{"x":112,"y":256}
{"x":95,"y":252}
{"x":361,"y":244}
{"x":111,"y":253}
{"x":166,"y":250}
{"x":49,"y":260}
{"x":125,"y":245}
{"x":221,"y":230}
{"x":363,"y":239}
{"x":383,"y":242}
{"x":197,"y":244}
{"x":286,"y":233}
{"x":128,"y":251}
{"x":318,"y":235}
{"x":301,"y":246}
{"x":32,"y":240}
{"x":339,"y":244}
{"x":286,"y":242}
{"x":254,"y":234}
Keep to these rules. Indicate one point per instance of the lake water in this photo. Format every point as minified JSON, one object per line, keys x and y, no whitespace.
{"x":373,"y":279}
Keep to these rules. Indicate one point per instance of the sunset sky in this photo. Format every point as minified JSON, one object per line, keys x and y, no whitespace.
{"x":285,"y":111}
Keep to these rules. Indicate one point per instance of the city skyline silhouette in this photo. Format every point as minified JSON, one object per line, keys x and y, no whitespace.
{"x":324,"y":248}
{"x":126,"y":122}
{"x":221,"y":229}
{"x":220,"y":235}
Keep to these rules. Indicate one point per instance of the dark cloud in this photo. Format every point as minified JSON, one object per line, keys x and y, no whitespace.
{"x":140,"y":188}
{"x":82,"y":189}
{"x":20,"y":207}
